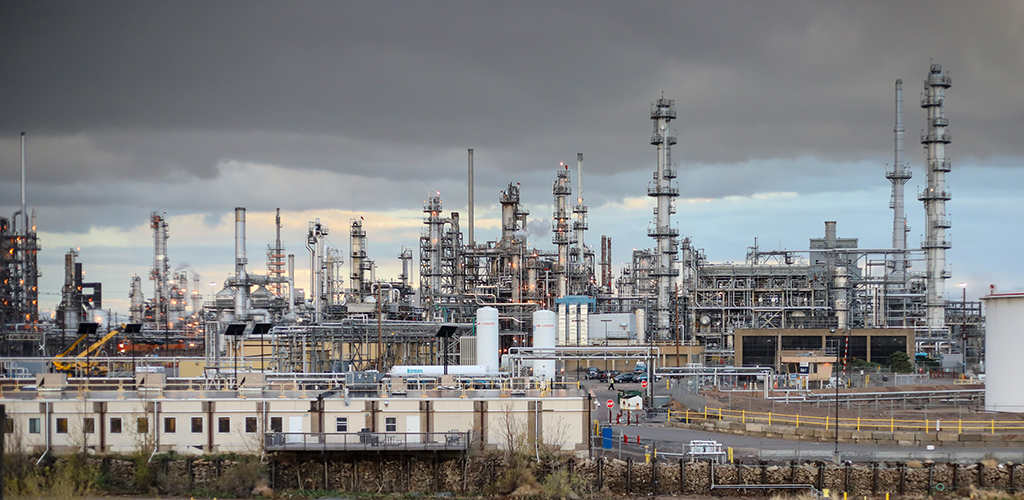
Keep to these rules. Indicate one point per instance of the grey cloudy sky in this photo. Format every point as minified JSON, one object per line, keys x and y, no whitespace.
{"x":340,"y":109}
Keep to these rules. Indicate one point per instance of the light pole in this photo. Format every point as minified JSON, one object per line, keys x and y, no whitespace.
{"x":963,"y":328}
{"x":836,"y":343}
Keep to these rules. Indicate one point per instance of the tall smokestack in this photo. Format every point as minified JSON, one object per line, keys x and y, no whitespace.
{"x":24,"y":211}
{"x":241,"y":288}
{"x":898,"y":176}
{"x":472,"y":240}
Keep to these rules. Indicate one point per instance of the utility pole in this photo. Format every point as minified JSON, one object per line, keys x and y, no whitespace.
{"x":963,"y":328}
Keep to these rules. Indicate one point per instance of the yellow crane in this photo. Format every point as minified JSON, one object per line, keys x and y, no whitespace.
{"x":89,"y":351}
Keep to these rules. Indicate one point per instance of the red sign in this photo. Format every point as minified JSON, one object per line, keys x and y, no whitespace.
{"x":643,"y":384}
{"x":611,"y":403}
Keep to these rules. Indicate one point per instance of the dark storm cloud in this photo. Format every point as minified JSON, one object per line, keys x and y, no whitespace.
{"x":156,"y":89}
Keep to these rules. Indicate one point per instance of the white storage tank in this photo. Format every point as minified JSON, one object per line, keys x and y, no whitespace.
{"x":487,"y":338}
{"x":544,"y":333}
{"x":1004,"y":325}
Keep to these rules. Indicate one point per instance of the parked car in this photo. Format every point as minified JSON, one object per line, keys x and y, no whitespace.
{"x":625,"y":378}
{"x":594,"y":373}
{"x":611,"y":374}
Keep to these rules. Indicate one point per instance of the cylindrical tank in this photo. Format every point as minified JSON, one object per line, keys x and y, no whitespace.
{"x":487,"y":338}
{"x":544,"y":332}
{"x":1004,"y":325}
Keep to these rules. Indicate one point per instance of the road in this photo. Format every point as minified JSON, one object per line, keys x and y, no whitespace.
{"x":673,"y":440}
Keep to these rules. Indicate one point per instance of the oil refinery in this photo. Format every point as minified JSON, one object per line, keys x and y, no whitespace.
{"x":507,"y":317}
{"x":670,"y":294}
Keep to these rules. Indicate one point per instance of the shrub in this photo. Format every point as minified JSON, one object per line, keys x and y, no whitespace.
{"x":241,"y":478}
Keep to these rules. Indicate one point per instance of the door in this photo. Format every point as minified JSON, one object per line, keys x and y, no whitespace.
{"x":412,"y":427}
{"x":294,"y":429}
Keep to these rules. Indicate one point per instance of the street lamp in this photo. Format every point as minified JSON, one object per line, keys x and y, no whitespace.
{"x":963,"y":328}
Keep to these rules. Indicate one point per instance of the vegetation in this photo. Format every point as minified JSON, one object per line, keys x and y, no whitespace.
{"x":899,"y":362}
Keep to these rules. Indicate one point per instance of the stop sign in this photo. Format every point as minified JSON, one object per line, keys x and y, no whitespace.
{"x":643,"y":384}
{"x":611,"y":403}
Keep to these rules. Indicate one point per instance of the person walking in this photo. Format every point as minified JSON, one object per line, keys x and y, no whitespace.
{"x":611,"y":384}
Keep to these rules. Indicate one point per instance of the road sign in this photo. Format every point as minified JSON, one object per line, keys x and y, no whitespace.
{"x":643,"y":384}
{"x":611,"y":403}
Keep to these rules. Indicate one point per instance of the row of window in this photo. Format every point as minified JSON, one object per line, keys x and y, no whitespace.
{"x":142,"y":425}
{"x":171,"y":425}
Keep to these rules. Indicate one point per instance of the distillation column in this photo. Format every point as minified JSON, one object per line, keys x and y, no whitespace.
{"x":275,"y":260}
{"x":357,"y":242}
{"x":560,"y":225}
{"x":580,"y":275}
{"x":935,"y":196}
{"x":160,"y":271}
{"x":137,"y":301}
{"x":431,"y":264}
{"x":899,"y":175}
{"x":315,"y":245}
{"x":662,"y":190}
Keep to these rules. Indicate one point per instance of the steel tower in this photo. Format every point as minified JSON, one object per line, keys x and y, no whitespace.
{"x":662,"y":231}
{"x":935,"y":196}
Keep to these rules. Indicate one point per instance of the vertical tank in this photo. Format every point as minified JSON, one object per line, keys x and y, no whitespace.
{"x":1004,"y":317}
{"x":544,"y":337}
{"x":487,"y":338}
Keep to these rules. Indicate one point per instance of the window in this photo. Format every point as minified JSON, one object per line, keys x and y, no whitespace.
{"x":115,"y":425}
{"x":169,"y":425}
{"x":88,"y":425}
{"x":250,"y":424}
{"x":62,"y":426}
{"x":341,"y":424}
{"x":197,"y":424}
{"x":390,"y":424}
{"x":223,"y":425}
{"x":142,"y":425}
{"x":275,"y":424}
{"x":33,"y":426}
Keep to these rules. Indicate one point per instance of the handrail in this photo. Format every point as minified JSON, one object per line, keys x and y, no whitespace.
{"x":958,"y":426}
{"x":366,"y":440}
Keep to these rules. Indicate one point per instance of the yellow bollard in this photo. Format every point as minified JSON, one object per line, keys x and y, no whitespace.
{"x":730,"y":454}
{"x":826,"y":422}
{"x":797,"y":420}
{"x":858,"y":423}
{"x":993,"y":427}
{"x":769,"y":418}
{"x":824,"y":493}
{"x":926,"y":426}
{"x":743,"y":416}
{"x":844,"y":495}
